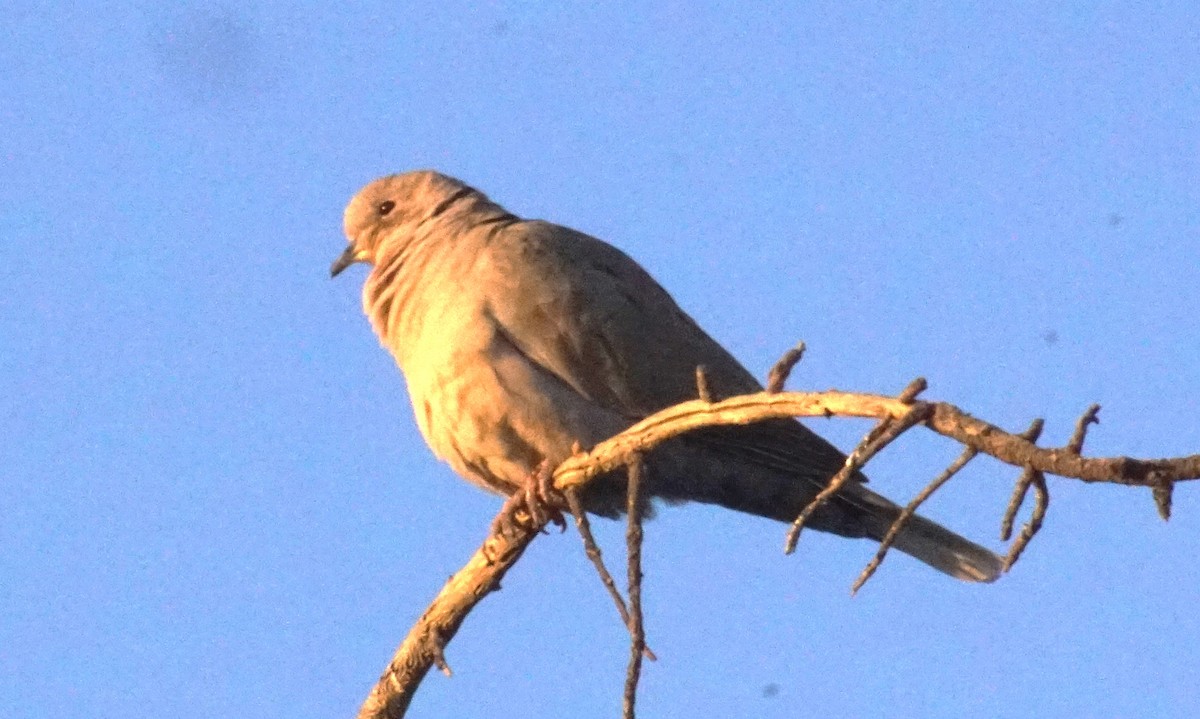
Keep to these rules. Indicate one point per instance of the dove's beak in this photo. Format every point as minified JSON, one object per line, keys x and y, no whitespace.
{"x":347,"y":258}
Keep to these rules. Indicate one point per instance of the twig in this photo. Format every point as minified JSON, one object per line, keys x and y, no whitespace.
{"x":907,"y":513}
{"x":439,"y":656}
{"x":593,"y":553}
{"x":779,"y":373}
{"x":1041,"y":501}
{"x":702,"y":389}
{"x":1081,"y":428}
{"x":1021,"y":488}
{"x":633,"y":539}
{"x":1162,"y":492}
{"x":1035,"y":478}
{"x":909,"y":394}
{"x":880,"y":436}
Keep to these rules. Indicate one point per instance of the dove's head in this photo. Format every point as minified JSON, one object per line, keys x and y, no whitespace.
{"x":390,"y":209}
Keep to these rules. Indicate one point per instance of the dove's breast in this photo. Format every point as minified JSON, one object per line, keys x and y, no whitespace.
{"x":481,"y":404}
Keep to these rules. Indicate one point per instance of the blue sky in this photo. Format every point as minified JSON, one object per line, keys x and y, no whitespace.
{"x":214,"y":500}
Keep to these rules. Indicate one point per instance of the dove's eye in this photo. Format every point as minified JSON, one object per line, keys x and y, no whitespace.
{"x":385,"y":207}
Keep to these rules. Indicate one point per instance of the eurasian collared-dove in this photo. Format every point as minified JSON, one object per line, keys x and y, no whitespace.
{"x":521,"y":339}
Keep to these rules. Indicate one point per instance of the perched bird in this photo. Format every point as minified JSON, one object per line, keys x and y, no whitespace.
{"x":521,"y":339}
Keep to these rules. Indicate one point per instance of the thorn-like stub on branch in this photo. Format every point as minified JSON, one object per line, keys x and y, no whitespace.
{"x":437,"y":648}
{"x":1075,"y":446}
{"x":779,"y":374}
{"x":702,"y":389}
{"x":1162,"y":490}
{"x":914,"y":388}
{"x":1035,"y":430}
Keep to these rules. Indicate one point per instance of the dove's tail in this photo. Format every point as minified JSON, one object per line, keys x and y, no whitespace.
{"x":925,"y":540}
{"x":748,"y":478}
{"x":858,"y":512}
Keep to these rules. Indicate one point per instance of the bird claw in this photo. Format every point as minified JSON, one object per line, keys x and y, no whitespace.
{"x":532,"y":506}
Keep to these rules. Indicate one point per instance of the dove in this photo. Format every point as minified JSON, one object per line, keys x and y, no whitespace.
{"x":521,"y":341}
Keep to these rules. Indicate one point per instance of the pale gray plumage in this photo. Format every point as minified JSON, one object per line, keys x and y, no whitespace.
{"x":520,"y":338}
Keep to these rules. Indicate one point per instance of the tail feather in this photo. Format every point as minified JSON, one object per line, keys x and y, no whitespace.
{"x":927,"y":541}
{"x":747,"y":479}
{"x":948,"y":552}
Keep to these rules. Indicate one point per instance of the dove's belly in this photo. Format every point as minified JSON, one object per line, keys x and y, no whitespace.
{"x":494,"y":415}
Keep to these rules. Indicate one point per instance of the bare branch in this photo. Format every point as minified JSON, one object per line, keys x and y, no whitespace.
{"x":944,"y":419}
{"x":422,"y":648}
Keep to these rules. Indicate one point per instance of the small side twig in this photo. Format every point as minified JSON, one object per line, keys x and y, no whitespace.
{"x":779,"y":374}
{"x":1041,"y":493}
{"x":1031,"y":477}
{"x":1089,"y":416}
{"x":438,"y":648}
{"x":1041,"y":501}
{"x":909,"y":394}
{"x":907,"y":513}
{"x":633,"y":538}
{"x":593,"y":553}
{"x":880,"y":436}
{"x":1021,"y":488}
{"x":1162,"y":491}
{"x":702,"y":389}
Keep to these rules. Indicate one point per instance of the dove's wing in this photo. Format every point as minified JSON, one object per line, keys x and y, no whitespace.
{"x":589,"y":314}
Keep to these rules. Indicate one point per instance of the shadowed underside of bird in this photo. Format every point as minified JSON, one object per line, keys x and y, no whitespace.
{"x":521,"y":339}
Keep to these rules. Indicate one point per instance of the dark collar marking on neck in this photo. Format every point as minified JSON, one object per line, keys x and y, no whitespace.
{"x":446,"y":203}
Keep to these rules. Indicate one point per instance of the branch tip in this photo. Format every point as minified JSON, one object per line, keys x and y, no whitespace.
{"x":782,"y":369}
{"x":1089,"y":416}
{"x":1162,"y":491}
{"x":702,"y":389}
{"x":914,"y":388}
{"x":438,"y":649}
{"x":1035,"y":430}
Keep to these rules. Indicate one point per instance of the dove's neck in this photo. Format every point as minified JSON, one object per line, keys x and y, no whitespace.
{"x":417,"y":268}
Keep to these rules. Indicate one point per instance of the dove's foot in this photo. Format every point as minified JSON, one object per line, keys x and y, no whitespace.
{"x":532,"y":506}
